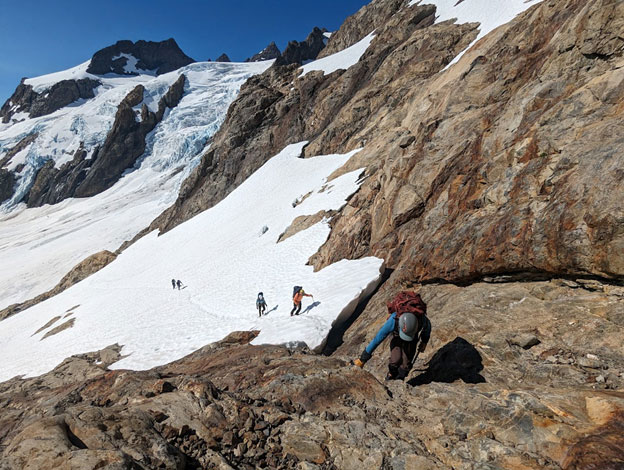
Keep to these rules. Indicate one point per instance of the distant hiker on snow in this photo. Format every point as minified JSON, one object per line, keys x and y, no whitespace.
{"x":261,"y":304}
{"x":173,"y":283}
{"x":179,"y":283}
{"x":409,"y":325}
{"x":298,"y":295}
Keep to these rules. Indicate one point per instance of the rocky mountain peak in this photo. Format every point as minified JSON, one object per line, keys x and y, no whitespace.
{"x":223,"y":58}
{"x":300,"y":52}
{"x":268,"y":53}
{"x":129,"y":58}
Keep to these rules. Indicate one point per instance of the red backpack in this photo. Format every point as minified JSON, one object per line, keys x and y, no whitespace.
{"x":407,"y":301}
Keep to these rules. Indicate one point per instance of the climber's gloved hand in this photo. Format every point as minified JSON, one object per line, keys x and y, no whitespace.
{"x":364,"y":357}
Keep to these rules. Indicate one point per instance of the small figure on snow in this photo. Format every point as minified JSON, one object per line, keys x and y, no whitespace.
{"x":261,"y":304}
{"x":179,"y":283}
{"x":173,"y":283}
{"x":298,"y":295}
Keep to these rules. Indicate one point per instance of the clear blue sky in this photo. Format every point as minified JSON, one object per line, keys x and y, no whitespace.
{"x":44,"y":36}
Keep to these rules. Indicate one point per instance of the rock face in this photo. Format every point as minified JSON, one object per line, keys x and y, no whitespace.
{"x":83,"y":177}
{"x":279,"y":107}
{"x":65,"y":92}
{"x":223,"y":58}
{"x":161,"y":57}
{"x":231,"y":405}
{"x":300,"y":52}
{"x":7,"y":181}
{"x":268,"y":53}
{"x":529,"y":180}
{"x":467,"y":169}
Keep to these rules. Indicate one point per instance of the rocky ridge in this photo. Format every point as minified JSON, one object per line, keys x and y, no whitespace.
{"x":84,"y":177}
{"x":160,"y":57}
{"x":268,"y":53}
{"x":299,"y":52}
{"x":26,"y":100}
{"x":296,"y":52}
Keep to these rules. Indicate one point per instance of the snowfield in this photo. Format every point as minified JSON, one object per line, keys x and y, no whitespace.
{"x":39,"y":246}
{"x":342,"y":59}
{"x":223,"y":259}
{"x":489,"y":13}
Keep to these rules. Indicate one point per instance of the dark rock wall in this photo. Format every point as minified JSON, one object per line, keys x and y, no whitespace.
{"x":163,"y":57}
{"x":300,"y":52}
{"x":65,"y":92}
{"x":7,"y":181}
{"x":268,"y":53}
{"x":124,"y":144}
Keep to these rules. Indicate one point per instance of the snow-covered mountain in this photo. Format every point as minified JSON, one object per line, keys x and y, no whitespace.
{"x":39,"y":245}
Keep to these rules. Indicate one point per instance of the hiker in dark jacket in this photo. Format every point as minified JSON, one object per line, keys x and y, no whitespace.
{"x":261,"y":304}
{"x":408,"y":330}
{"x":173,"y":283}
{"x":179,"y":283}
{"x":297,"y":298}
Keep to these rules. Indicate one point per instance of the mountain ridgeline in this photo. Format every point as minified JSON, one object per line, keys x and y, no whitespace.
{"x":93,"y":170}
{"x":492,"y":184}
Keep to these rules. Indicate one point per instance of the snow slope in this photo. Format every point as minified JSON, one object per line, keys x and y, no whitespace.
{"x":490,"y":13}
{"x":39,"y":246}
{"x":340,"y":60}
{"x":224,"y":260}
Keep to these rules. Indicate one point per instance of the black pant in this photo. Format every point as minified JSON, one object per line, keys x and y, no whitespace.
{"x":296,"y":309}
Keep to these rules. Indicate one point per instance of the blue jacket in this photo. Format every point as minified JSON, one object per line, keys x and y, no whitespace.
{"x":391,"y":325}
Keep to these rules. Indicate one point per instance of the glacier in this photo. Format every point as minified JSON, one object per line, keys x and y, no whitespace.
{"x":34,"y":247}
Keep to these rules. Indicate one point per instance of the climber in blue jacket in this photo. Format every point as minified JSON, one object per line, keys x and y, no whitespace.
{"x":410,"y":333}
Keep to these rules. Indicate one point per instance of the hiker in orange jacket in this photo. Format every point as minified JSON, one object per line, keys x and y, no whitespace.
{"x":297,"y":298}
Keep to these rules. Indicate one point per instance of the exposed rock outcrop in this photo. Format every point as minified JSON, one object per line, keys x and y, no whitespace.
{"x":52,"y":184}
{"x":223,"y":58}
{"x":126,"y":140}
{"x":7,"y":182}
{"x":515,"y":163}
{"x":65,"y":92}
{"x":268,"y":53}
{"x":299,"y":52}
{"x":367,"y":19}
{"x":279,"y":107}
{"x":82,"y":270}
{"x":161,"y":57}
{"x":125,"y":143}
